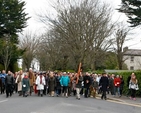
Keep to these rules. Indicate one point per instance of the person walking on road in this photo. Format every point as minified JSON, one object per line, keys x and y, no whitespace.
{"x":78,"y":85}
{"x":51,"y":84}
{"x":9,"y":81}
{"x":40,"y":82}
{"x":2,"y":79}
{"x":25,"y":85}
{"x":104,"y":83}
{"x":64,"y":83}
{"x":87,"y":83}
{"x":19,"y":82}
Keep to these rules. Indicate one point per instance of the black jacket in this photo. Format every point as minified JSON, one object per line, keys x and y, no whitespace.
{"x":87,"y":81}
{"x":9,"y":79}
{"x":104,"y":83}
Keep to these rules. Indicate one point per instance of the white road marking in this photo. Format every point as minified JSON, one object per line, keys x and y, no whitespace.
{"x":3,"y":101}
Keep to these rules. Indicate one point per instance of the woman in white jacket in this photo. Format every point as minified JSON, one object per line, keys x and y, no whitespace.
{"x":19,"y":81}
{"x":40,"y":82}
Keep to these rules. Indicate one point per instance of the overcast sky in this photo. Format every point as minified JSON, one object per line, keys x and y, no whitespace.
{"x":36,"y":6}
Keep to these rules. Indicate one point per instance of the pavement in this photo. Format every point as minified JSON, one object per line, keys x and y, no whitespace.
{"x":123,"y":99}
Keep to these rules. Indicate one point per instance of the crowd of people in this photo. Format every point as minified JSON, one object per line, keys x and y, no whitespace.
{"x":66,"y":84}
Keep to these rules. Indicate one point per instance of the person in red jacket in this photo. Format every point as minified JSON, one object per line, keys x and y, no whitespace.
{"x":117,"y":82}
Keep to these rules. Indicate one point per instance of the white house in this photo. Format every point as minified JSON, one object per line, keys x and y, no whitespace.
{"x":132,"y":59}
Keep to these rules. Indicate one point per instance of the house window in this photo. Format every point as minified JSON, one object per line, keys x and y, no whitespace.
{"x":132,"y":58}
{"x":131,"y":67}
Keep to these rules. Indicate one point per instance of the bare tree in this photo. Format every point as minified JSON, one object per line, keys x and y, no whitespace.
{"x":82,"y":30}
{"x":29,"y":42}
{"x":121,"y":34}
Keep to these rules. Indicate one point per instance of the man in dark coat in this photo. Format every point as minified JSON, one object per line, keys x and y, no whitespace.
{"x":9,"y":81}
{"x":104,"y":84}
{"x":87,"y":83}
{"x":111,"y":84}
{"x":58,"y":85}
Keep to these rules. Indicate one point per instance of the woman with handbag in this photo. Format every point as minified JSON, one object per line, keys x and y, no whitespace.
{"x":25,"y":85}
{"x":133,"y":85}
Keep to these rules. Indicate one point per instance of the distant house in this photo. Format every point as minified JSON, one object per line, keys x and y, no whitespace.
{"x":132,"y":58}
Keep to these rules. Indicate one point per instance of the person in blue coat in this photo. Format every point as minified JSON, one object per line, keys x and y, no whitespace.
{"x":2,"y":77}
{"x":64,"y":81}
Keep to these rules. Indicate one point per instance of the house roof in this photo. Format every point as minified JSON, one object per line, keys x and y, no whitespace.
{"x":116,"y":71}
{"x":134,"y":52}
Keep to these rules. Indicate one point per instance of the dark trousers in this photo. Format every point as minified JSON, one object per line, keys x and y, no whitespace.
{"x":40,"y":92}
{"x":65,"y":89}
{"x":31,"y":90}
{"x":45,"y":90}
{"x":16,"y":87}
{"x":133,"y":93}
{"x":2,"y":88}
{"x":103,"y":95}
{"x":112,"y":90}
{"x":82,"y":91}
{"x":58,"y":91}
{"x":121,"y":92}
{"x":8,"y":90}
{"x":86,"y":92}
{"x":25,"y":94}
{"x":69,"y":91}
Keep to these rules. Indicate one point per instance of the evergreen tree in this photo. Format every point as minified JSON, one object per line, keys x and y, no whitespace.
{"x":12,"y":17}
{"x":132,"y":8}
{"x":12,"y":20}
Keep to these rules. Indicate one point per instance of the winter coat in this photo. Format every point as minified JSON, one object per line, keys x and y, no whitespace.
{"x":40,"y":86}
{"x":64,"y":81}
{"x":2,"y":76}
{"x":31,"y":77}
{"x":121,"y":84}
{"x":25,"y":84}
{"x":133,"y":85}
{"x":104,"y":83}
{"x":87,"y":81}
{"x":58,"y":85}
{"x":111,"y":83}
{"x":117,"y":82}
{"x":95,"y":84}
{"x":52,"y":84}
{"x":9,"y":79}
{"x":19,"y":82}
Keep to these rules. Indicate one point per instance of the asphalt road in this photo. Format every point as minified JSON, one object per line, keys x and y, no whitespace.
{"x":46,"y":104}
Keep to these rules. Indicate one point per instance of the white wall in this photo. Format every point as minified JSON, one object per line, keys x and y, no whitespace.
{"x":136,"y":63}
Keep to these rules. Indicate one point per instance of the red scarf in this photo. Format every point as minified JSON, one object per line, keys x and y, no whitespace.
{"x":26,"y":76}
{"x":40,"y":79}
